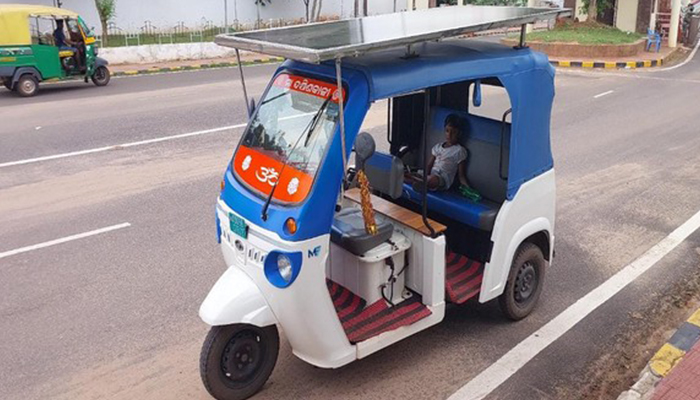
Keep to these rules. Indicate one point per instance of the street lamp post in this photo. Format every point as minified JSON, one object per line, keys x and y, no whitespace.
{"x":226,"y":15}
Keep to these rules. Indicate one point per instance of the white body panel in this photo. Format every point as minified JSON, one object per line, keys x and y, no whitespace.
{"x":531,"y":210}
{"x":304,"y":310}
{"x":365,"y":275}
{"x":225,"y":305}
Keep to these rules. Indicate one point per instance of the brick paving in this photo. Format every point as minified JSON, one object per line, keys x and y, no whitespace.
{"x":683,"y":383}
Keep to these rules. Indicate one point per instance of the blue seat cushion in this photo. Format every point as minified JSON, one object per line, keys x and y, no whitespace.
{"x":451,"y":204}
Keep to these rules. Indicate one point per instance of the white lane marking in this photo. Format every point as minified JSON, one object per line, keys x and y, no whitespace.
{"x":497,"y":373}
{"x":132,"y":144}
{"x":64,"y":240}
{"x":687,"y":60}
{"x":119,"y":146}
{"x":603,"y":94}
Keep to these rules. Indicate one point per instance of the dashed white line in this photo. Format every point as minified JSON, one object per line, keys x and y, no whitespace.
{"x":603,"y":94}
{"x":64,"y":240}
{"x":132,"y":144}
{"x":497,"y":373}
{"x":119,"y":146}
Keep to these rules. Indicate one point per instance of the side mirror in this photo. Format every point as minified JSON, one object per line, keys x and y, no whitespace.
{"x":364,"y":149}
{"x":476,"y":94}
{"x":252,"y":107}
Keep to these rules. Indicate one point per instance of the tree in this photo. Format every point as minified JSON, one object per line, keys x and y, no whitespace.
{"x":106,"y":11}
{"x":306,"y":6}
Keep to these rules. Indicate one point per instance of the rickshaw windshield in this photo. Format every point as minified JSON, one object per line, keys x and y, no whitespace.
{"x":291,"y":130}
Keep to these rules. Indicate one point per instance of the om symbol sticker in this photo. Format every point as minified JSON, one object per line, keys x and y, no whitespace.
{"x":268,"y":175}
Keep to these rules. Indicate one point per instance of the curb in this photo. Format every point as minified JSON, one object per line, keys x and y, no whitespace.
{"x":667,"y":357}
{"x":609,"y":65}
{"x":158,"y":70}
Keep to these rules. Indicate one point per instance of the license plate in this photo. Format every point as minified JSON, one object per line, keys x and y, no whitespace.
{"x":238,"y":225}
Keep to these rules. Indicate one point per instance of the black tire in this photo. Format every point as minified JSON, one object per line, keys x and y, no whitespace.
{"x":27,"y":85}
{"x":236,"y":360}
{"x":101,"y":76}
{"x":525,"y":282}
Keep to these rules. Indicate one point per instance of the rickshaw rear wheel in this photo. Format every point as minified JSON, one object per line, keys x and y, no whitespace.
{"x":27,"y":85}
{"x":101,"y":76}
{"x":525,"y":282}
{"x":236,"y":360}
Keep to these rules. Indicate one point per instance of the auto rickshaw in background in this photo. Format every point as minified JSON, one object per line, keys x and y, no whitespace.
{"x":29,"y":53}
{"x":349,"y":260}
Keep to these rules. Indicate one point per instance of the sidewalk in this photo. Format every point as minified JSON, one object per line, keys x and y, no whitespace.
{"x":247,"y":58}
{"x":673,"y":373}
{"x":642,"y":60}
{"x":683,"y":383}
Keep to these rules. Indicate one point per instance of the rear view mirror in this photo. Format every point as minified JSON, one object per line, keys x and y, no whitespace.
{"x":476,"y":94}
{"x":364,"y":149}
{"x":251,"y":109}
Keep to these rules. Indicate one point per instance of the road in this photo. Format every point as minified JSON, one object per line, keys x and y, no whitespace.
{"x":114,"y":315}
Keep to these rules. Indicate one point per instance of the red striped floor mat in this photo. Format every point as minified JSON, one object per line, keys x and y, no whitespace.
{"x":362,"y":322}
{"x":462,"y":277}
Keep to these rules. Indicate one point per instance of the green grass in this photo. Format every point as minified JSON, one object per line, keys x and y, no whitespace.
{"x":121,"y":40}
{"x":585,"y":34}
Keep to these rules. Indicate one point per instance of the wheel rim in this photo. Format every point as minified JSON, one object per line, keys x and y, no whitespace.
{"x":28,"y":86}
{"x":525,"y":283}
{"x":242,"y":358}
{"x":100,"y":74}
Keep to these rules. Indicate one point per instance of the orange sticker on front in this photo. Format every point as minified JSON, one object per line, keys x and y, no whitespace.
{"x":310,"y":86}
{"x":263,"y":172}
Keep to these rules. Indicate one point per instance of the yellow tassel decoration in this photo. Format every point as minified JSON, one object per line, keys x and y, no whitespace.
{"x":366,"y":203}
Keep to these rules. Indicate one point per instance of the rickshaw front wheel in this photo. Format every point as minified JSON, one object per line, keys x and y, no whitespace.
{"x":524,"y":283}
{"x":236,"y":360}
{"x":27,"y":85}
{"x":101,"y":76}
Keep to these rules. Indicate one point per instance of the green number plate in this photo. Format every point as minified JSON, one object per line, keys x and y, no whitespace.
{"x":238,"y":226}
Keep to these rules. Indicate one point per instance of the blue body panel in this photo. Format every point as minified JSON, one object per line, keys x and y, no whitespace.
{"x":526,"y":75}
{"x":314,"y":215}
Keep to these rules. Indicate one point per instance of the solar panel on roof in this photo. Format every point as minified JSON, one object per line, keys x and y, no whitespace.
{"x":326,"y":41}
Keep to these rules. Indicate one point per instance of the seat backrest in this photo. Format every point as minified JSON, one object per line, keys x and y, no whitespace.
{"x":385,"y":174}
{"x":483,"y":141}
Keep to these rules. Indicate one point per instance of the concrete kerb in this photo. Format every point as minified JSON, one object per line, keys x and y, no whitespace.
{"x":195,"y":67}
{"x":609,"y":64}
{"x":665,"y":359}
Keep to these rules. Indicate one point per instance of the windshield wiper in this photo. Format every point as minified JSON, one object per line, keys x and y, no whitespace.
{"x":274,"y":98}
{"x":307,"y":132}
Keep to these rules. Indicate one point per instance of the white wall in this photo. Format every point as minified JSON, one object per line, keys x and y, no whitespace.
{"x":626,"y":15}
{"x":131,"y":14}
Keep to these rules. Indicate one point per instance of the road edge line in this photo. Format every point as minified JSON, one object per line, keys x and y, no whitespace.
{"x":507,"y":365}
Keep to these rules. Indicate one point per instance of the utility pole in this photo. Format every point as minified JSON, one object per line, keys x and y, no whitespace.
{"x":226,"y":15}
{"x":675,"y":18}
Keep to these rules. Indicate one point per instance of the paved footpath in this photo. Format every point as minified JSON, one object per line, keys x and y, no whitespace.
{"x":683,"y":383}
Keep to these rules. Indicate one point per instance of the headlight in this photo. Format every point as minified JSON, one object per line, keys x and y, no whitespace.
{"x":284,"y":266}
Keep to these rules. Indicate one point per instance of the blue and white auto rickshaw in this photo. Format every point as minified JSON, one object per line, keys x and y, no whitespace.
{"x":348,"y":260}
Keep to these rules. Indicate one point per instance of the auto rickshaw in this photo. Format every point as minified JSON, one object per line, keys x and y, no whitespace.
{"x":347,"y":260}
{"x":29,"y":53}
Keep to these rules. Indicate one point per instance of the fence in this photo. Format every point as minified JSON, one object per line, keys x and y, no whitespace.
{"x":205,"y":31}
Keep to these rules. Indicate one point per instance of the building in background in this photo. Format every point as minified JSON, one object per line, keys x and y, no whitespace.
{"x":131,"y":15}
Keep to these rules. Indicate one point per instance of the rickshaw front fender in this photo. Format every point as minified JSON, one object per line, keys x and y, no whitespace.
{"x":101,"y":62}
{"x":235,"y":298}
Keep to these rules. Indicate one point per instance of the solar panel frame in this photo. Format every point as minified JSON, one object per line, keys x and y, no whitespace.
{"x":312,"y":42}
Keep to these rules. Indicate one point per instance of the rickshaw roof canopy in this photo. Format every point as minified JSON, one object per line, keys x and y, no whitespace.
{"x":14,"y":21}
{"x":351,"y":37}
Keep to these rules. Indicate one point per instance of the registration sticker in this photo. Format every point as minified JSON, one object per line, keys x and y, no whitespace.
{"x":238,"y":225}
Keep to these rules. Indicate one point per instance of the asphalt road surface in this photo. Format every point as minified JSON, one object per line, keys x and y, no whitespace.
{"x":114,"y":315}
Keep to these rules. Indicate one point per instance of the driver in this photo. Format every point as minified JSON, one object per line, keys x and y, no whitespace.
{"x":59,"y":37}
